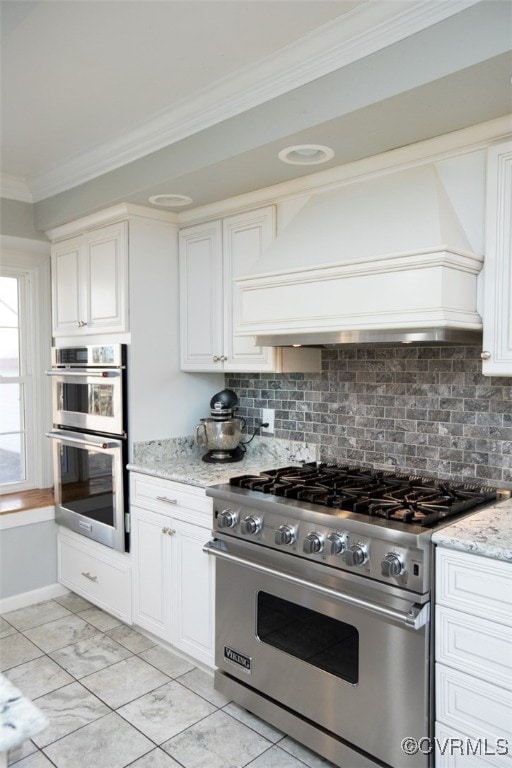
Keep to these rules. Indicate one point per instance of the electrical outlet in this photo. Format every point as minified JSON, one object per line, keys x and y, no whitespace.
{"x":267,"y":416}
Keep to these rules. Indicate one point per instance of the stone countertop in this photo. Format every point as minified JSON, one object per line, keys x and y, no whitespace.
{"x":20,"y":719}
{"x":180,"y":460}
{"x":487,"y":533}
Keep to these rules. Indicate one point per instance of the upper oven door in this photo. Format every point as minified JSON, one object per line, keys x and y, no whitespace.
{"x":349,"y":663}
{"x":88,"y":399}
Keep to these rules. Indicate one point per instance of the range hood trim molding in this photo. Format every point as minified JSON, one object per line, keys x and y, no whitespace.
{"x":428,"y":257}
{"x":410,"y":292}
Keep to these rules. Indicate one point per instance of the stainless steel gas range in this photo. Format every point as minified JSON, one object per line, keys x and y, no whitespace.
{"x":323,"y":591}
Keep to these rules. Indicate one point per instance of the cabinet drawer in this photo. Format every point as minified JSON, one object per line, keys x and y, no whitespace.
{"x":476,"y":585}
{"x":454,"y":749}
{"x":474,"y":707}
{"x":185,"y":502}
{"x":473,"y":645}
{"x":98,"y":576}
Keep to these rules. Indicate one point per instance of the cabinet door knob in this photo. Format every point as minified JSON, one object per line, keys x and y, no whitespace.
{"x":165,"y":530}
{"x":81,"y":323}
{"x":171,"y":531}
{"x":223,"y":358}
{"x":216,"y":359}
{"x":485,"y":355}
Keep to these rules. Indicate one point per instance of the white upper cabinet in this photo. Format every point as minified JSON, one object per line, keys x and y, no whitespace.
{"x":497,"y":312}
{"x":211,"y":255}
{"x":90,"y":282}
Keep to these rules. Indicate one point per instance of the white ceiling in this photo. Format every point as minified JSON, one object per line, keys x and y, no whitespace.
{"x":121,"y":99}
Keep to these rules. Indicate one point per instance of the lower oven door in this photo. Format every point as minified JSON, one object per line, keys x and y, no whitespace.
{"x":89,"y":486}
{"x":339,"y":656}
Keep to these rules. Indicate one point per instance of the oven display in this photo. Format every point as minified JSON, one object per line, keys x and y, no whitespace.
{"x":324,"y":642}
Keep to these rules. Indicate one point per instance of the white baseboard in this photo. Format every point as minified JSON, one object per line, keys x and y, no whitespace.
{"x":29,"y":598}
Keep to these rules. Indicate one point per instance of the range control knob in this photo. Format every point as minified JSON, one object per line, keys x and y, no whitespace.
{"x":357,"y":554}
{"x":285,"y":534}
{"x":391,"y":565}
{"x":312,"y":543}
{"x":336,"y":543}
{"x":227,"y":518}
{"x":250,"y":525}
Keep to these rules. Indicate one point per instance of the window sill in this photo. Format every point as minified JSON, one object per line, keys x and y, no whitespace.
{"x":24,"y":500}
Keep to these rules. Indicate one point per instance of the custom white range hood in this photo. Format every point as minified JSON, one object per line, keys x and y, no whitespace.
{"x":380,"y":260}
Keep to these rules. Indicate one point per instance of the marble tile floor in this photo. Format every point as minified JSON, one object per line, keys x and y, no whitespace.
{"x":116,"y":698}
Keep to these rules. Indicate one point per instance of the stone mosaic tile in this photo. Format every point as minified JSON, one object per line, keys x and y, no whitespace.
{"x":411,"y":392}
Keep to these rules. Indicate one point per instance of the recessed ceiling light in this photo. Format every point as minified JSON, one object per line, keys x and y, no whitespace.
{"x":170,"y":200}
{"x":306,"y":154}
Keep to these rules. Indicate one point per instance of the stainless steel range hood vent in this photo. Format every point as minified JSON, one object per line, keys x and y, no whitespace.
{"x":383,"y":260}
{"x":399,"y":335}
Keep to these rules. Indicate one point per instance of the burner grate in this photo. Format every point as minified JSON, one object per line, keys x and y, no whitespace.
{"x":409,"y":499}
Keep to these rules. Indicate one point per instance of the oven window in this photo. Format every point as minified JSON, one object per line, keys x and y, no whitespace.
{"x":87,"y":483}
{"x":320,"y":640}
{"x":93,"y":399}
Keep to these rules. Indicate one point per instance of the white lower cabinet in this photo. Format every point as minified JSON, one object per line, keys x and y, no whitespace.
{"x":97,"y":573}
{"x":173,"y":580}
{"x":473,"y":653}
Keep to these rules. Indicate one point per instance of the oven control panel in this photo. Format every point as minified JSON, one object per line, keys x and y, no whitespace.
{"x":337,"y":546}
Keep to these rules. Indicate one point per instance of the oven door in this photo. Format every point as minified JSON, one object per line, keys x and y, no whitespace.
{"x":342,"y":654}
{"x":88,"y":399}
{"x":89,"y":483}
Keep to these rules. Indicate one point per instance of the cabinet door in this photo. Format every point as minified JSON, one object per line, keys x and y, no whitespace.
{"x":151,"y":556}
{"x":201,"y":297}
{"x":192,"y":604}
{"x":497,"y":313}
{"x":245,"y":237}
{"x":67,"y":309}
{"x":106,"y":278}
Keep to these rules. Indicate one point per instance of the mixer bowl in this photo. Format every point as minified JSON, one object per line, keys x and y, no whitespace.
{"x":219,"y":435}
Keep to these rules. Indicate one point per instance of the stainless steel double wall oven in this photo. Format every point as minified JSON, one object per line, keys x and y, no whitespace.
{"x":323,"y":592}
{"x":89,"y":439}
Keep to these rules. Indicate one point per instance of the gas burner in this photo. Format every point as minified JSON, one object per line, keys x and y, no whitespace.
{"x":406,"y":499}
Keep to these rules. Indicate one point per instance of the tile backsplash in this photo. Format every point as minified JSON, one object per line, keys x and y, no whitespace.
{"x":420,"y":409}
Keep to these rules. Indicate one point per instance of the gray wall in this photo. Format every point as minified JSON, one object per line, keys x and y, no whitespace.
{"x":28,"y":558}
{"x":17,"y":220}
{"x":420,"y":409}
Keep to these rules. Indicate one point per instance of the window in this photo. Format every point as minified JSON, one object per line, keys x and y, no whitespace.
{"x":24,"y":349}
{"x":15,"y":386}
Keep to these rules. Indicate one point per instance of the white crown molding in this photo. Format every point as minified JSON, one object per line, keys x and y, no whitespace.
{"x":15,"y":188}
{"x":110,"y":216}
{"x":366,"y":29}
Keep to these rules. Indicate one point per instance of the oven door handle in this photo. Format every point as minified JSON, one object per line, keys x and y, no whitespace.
{"x":416,"y":617}
{"x":85,"y":372}
{"x":90,"y":442}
